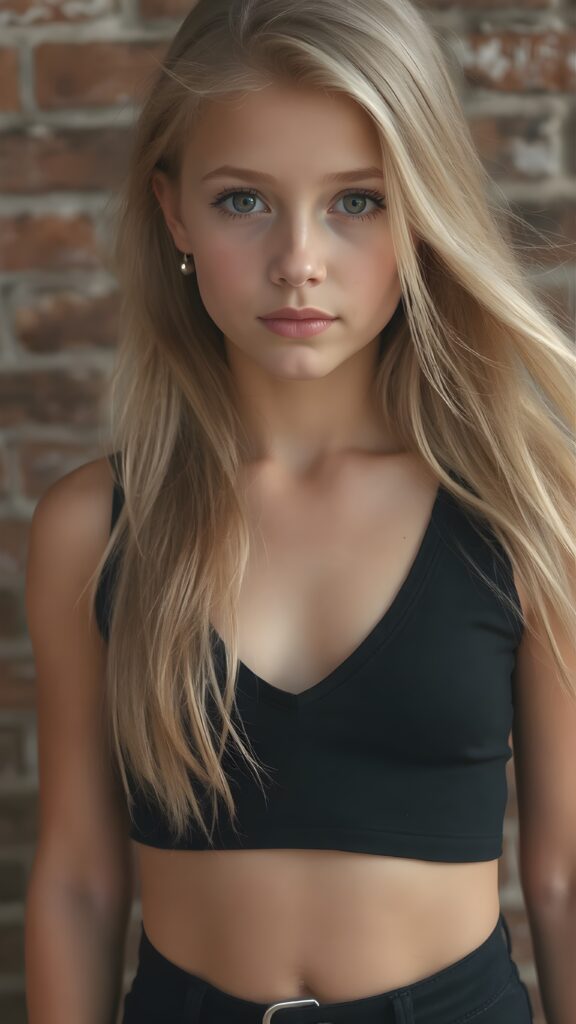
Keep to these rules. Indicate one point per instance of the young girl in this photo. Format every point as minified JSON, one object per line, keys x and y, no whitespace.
{"x":329,"y":555}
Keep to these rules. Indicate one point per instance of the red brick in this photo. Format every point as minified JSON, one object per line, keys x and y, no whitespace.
{"x":164,"y":8}
{"x":12,"y":614}
{"x":38,"y":12}
{"x":17,"y":683}
{"x":519,"y":61}
{"x":41,"y":463}
{"x":518,"y":148}
{"x":62,"y":158}
{"x":9,"y":91}
{"x":13,"y":881}
{"x":18,"y":818}
{"x":94,"y":74}
{"x":59,"y":321}
{"x":12,"y":757}
{"x":13,"y":544}
{"x":546,"y":234}
{"x":11,"y":947}
{"x":69,"y":396}
{"x":47,"y":242}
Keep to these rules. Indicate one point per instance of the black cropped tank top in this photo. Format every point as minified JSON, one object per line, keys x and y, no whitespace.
{"x":400,"y":750}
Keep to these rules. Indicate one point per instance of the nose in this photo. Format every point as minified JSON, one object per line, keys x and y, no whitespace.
{"x":299,"y":255}
{"x":296,"y":269}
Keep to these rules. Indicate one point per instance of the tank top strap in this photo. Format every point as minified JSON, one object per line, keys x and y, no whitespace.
{"x":117,"y":492}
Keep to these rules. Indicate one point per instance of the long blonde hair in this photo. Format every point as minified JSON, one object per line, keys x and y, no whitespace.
{"x":475,"y":374}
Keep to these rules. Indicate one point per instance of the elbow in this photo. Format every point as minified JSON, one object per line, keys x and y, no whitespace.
{"x":551,"y":889}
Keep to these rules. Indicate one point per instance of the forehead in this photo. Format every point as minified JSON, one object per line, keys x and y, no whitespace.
{"x":285,"y":130}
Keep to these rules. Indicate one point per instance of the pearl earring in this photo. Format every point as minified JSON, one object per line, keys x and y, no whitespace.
{"x":187,"y":266}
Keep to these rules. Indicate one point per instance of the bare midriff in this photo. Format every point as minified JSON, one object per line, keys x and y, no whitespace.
{"x":269,"y":925}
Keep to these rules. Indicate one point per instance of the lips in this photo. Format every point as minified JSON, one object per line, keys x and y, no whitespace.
{"x":307,"y":313}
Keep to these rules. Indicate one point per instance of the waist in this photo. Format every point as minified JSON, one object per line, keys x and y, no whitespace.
{"x":486,"y":977}
{"x":349,"y":922}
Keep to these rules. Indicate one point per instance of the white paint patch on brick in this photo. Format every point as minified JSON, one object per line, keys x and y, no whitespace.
{"x":40,"y":131}
{"x":522,"y":54}
{"x":90,"y":8}
{"x":488,"y":57}
{"x":491,"y":59}
{"x":533,"y":158}
{"x":42,"y":13}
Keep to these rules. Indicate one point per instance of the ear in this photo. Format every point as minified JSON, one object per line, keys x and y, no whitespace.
{"x":166,"y":192}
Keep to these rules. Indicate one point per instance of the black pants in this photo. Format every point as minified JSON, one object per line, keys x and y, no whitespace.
{"x":483,"y":987}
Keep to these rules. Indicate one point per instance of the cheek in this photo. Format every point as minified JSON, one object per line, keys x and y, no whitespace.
{"x":224,"y":272}
{"x":224,"y":283}
{"x":376,"y":277}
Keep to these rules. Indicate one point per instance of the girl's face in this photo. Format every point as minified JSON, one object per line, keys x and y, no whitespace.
{"x":281,"y":233}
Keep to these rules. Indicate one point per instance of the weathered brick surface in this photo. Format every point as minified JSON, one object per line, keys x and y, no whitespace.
{"x":59,"y":397}
{"x":12,"y":749}
{"x":11,"y":947}
{"x":70,"y":76}
{"x":164,"y":9}
{"x":517,"y":148}
{"x":13,"y":881}
{"x":49,"y":321}
{"x":27,"y":13}
{"x":47,"y":159}
{"x":9,"y":91}
{"x":40,"y":462}
{"x":93,"y":74}
{"x":47,"y":242}
{"x":13,"y":546}
{"x":548,"y":232}
{"x":12,"y":618}
{"x":18,"y":819}
{"x":519,"y":61}
{"x":17,"y":674}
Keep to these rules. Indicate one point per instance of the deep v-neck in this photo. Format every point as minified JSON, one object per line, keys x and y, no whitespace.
{"x":257,"y":688}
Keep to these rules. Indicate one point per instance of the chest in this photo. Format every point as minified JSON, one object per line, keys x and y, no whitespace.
{"x":326,"y":562}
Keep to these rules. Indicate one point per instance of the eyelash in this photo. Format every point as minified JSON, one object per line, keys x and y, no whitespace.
{"x":223,"y":196}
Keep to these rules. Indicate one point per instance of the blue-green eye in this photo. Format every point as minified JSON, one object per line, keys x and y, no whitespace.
{"x":364,"y":194}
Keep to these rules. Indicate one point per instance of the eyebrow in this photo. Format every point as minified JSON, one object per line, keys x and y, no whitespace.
{"x":360,"y":174}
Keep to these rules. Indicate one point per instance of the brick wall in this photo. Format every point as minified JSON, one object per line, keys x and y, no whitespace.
{"x":70,"y":80}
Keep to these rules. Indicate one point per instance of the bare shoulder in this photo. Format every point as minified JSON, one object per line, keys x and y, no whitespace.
{"x":68,"y":533}
{"x":83,"y":829}
{"x":79,"y":501}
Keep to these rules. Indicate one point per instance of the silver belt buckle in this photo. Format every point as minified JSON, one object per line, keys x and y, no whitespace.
{"x":283,"y":1006}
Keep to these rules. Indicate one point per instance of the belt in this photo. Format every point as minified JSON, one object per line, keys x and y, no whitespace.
{"x":404,"y":1011}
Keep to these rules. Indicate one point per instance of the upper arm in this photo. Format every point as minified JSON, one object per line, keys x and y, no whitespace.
{"x":83,"y":839}
{"x":544,"y":744}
